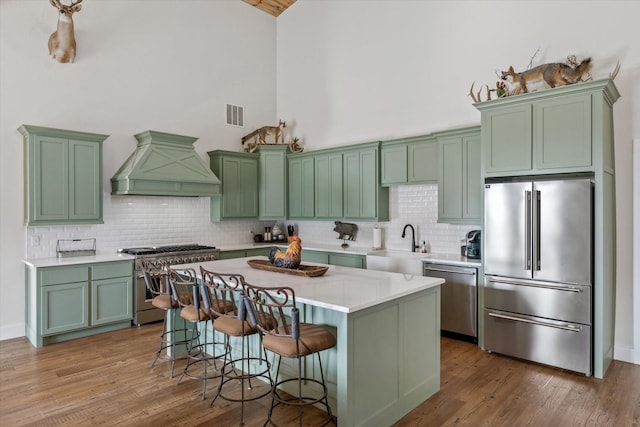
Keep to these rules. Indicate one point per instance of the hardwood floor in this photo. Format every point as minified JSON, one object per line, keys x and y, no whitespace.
{"x":106,"y":380}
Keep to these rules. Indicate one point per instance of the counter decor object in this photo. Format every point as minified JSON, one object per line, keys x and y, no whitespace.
{"x":301,"y":270}
{"x":75,"y":247}
{"x":288,"y":259}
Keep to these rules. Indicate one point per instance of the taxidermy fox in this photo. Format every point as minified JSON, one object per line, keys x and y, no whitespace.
{"x":260,"y":135}
{"x":555,"y":74}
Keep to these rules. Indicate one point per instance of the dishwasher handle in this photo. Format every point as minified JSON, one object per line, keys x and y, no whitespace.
{"x":468,"y":271}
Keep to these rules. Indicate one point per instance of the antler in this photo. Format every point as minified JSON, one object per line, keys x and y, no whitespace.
{"x":614,"y":73}
{"x":474,"y":97}
{"x":57,"y":4}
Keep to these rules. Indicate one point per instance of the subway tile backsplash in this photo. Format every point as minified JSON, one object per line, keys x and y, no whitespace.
{"x":131,"y":221}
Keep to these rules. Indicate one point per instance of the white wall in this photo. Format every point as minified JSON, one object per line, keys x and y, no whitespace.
{"x":357,"y":70}
{"x":163,"y":65}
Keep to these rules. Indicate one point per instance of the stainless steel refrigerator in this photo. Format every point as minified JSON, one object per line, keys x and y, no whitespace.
{"x":538,"y":250}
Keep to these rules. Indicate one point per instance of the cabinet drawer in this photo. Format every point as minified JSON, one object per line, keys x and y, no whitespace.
{"x":58,"y":275}
{"x":571,"y":303}
{"x":539,"y":340}
{"x":107,"y":270}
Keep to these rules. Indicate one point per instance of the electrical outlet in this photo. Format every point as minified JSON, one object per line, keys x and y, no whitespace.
{"x":35,"y":240}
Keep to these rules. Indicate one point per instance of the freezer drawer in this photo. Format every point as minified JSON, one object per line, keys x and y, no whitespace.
{"x":459,"y":306}
{"x":571,"y":303}
{"x":559,"y":344}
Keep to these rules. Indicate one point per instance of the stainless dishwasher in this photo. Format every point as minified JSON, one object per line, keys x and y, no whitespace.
{"x":458,"y":307}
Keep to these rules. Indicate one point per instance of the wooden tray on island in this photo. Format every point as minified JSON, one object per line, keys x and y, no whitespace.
{"x":302,"y":270}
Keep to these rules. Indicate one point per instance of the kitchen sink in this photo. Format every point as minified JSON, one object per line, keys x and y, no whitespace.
{"x":396,"y":261}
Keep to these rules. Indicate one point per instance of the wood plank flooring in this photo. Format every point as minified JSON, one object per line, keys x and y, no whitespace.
{"x":106,"y":380}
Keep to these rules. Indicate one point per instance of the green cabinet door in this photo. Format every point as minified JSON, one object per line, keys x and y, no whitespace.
{"x":64,"y":307}
{"x":315,"y":256}
{"x":347,"y":260}
{"x":328,"y":185}
{"x":273,"y":182}
{"x":363,"y":196}
{"x":507,"y":137}
{"x":459,"y":176}
{"x":301,"y":197}
{"x":111,"y":300}
{"x":422,"y":162}
{"x":239,"y":175}
{"x":562,"y":132}
{"x":63,"y":173}
{"x":393,"y":166}
{"x":85,"y":176}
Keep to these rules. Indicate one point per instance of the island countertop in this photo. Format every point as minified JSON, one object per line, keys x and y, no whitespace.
{"x":342,"y":289}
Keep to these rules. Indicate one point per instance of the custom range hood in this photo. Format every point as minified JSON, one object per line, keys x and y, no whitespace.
{"x":165,"y":165}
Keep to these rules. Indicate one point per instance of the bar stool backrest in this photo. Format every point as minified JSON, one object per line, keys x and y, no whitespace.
{"x":184,"y":287}
{"x":222,"y":292}
{"x":273,"y":310}
{"x":154,"y":273}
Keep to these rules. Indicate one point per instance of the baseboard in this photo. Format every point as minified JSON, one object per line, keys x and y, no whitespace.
{"x":626,"y":354}
{"x":12,"y":331}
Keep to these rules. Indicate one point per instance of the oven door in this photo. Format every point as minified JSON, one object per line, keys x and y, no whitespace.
{"x":144,"y":311}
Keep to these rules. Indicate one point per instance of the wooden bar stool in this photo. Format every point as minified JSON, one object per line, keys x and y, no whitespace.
{"x":224,"y":296}
{"x":287,"y":337}
{"x":200,"y":351}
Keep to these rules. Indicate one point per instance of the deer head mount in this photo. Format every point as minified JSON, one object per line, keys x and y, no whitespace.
{"x":62,"y":43}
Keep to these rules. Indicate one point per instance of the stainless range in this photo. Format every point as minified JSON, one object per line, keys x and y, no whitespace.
{"x":143,"y":310}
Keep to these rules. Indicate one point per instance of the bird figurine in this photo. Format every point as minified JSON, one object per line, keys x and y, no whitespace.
{"x":288,"y":259}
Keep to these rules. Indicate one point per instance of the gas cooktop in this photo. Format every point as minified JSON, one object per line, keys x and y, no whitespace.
{"x":150,"y":250}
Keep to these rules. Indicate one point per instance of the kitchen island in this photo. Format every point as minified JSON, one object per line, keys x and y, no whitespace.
{"x":387,"y":358}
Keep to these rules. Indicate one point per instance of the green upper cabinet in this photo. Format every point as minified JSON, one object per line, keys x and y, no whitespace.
{"x":63,"y":176}
{"x":409,"y":161}
{"x":541,"y":132}
{"x":239,"y":175}
{"x":272,"y":181}
{"x":328,"y":185}
{"x":363,"y":196}
{"x":459,"y":179}
{"x":301,"y":171}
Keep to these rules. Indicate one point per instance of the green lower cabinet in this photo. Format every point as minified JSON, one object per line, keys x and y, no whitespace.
{"x":67,"y":302}
{"x":242,"y":253}
{"x":64,"y":307}
{"x":334,"y":258}
{"x":347,"y":260}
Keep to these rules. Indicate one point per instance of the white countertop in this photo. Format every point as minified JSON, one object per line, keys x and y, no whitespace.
{"x":90,"y":259}
{"x":343,"y":289}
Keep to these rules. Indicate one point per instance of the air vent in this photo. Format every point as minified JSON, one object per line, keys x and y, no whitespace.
{"x":235,"y":115}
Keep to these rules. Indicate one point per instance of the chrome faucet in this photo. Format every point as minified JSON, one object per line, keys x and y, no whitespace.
{"x":413,"y":236}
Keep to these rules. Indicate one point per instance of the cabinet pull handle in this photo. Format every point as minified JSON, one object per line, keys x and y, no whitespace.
{"x":569,"y":328}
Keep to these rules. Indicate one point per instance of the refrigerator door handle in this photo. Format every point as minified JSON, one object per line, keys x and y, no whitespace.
{"x":527,"y":231}
{"x":536,"y":201}
{"x":568,"y":288}
{"x":570,"y":328}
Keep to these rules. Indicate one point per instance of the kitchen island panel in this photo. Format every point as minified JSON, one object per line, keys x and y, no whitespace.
{"x":387,"y":357}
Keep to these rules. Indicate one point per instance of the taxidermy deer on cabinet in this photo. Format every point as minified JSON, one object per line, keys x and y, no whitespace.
{"x":62,"y":43}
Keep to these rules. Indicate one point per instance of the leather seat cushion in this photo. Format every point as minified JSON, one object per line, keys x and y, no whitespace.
{"x":164,"y":302}
{"x":193,"y":315}
{"x":313,"y":338}
{"x":232,"y":326}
